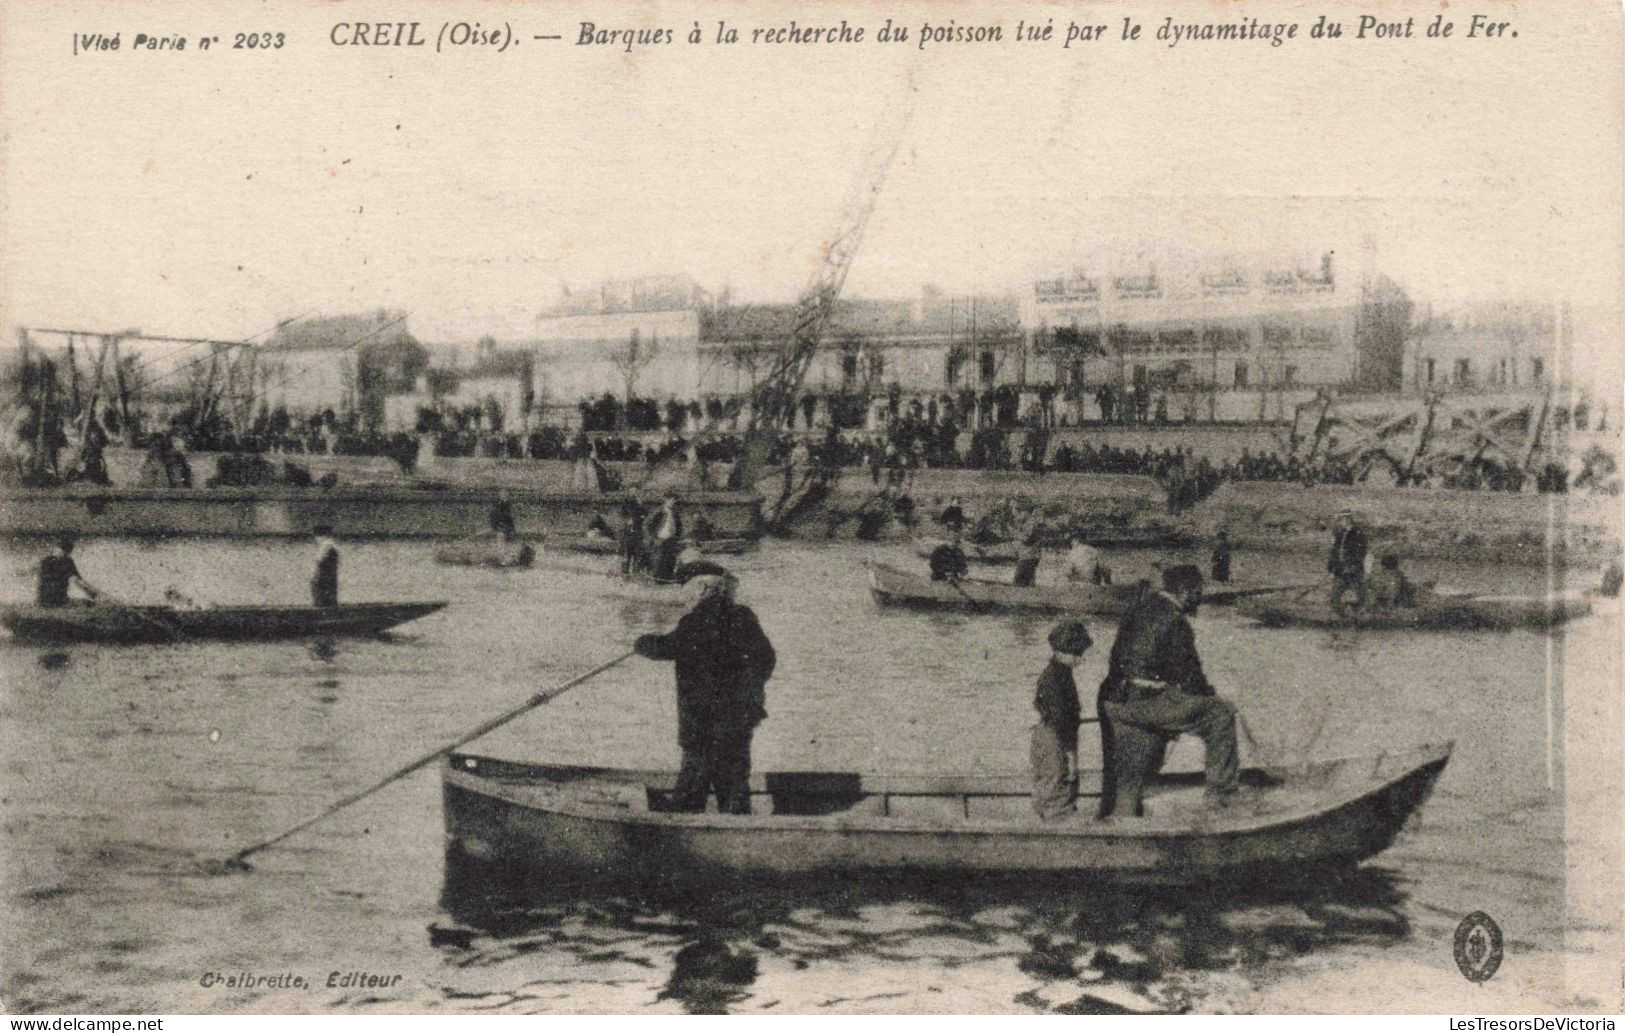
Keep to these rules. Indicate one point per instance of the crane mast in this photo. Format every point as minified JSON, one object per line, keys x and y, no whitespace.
{"x":773,"y":401}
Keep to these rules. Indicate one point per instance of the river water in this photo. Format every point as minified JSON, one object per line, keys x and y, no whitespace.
{"x":123,"y":767}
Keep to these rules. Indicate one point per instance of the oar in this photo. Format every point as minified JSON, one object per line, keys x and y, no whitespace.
{"x":238,"y":860}
{"x":1221,"y":598}
{"x":140,"y":614}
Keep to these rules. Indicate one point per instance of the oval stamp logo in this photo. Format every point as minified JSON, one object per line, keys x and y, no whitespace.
{"x":1478,"y":947}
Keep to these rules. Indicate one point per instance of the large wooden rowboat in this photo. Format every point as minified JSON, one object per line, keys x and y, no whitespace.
{"x":893,"y":587}
{"x":491,"y":553}
{"x":1005,"y":552}
{"x":164,"y":624}
{"x":605,"y":545}
{"x":1434,"y":611}
{"x":608,"y":826}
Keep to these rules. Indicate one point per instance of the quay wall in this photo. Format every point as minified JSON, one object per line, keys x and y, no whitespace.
{"x":376,"y":511}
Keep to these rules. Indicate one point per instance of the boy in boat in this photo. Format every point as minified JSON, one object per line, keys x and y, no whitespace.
{"x":1155,"y":691}
{"x":1391,"y":589}
{"x":1346,"y":563}
{"x":1055,"y":736}
{"x":56,"y":573}
{"x":724,"y":660}
{"x":948,"y":561}
{"x":324,"y":583}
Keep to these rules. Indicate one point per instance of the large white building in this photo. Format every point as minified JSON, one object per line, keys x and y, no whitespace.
{"x":637,"y":337}
{"x":1244,"y":337}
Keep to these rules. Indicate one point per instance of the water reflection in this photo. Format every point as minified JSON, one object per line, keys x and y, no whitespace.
{"x":1053,"y":945}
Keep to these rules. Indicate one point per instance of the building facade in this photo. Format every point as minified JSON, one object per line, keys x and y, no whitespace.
{"x":1228,"y":340}
{"x":627,"y":337}
{"x":932,"y":345}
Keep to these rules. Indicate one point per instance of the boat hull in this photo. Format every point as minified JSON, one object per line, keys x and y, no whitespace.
{"x":1006,"y":552}
{"x":893,"y":587}
{"x":1436,"y":613}
{"x":596,"y":825}
{"x":609,"y":546}
{"x":130,"y":624}
{"x":486,"y":554}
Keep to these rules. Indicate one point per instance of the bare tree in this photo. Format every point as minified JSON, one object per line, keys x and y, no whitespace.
{"x":632,"y":357}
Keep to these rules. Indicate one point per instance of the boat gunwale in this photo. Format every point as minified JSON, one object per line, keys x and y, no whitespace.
{"x":513,"y":793}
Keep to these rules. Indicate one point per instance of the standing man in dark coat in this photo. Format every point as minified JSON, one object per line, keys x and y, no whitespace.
{"x":502,"y":516}
{"x":1055,"y":736}
{"x":666,"y":537}
{"x":324,"y":583}
{"x":723,"y":663}
{"x":1346,"y":564}
{"x":1154,"y":691}
{"x":1221,"y":558}
{"x":631,"y":537}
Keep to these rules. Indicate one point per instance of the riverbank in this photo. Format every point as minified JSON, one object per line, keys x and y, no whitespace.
{"x":1425,"y":523}
{"x":364,"y":511}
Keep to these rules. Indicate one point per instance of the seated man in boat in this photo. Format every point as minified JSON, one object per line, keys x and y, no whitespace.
{"x":1155,"y":691}
{"x":1055,"y":736}
{"x":1390,"y":588}
{"x":948,"y":562}
{"x":56,"y":573}
{"x":600,"y":528}
{"x":724,"y":660}
{"x":502,"y":516}
{"x":324,"y":583}
{"x":952,"y":518}
{"x":1083,"y":563}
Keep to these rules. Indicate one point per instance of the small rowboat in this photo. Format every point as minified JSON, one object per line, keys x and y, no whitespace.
{"x":893,"y":587}
{"x":121,"y":624}
{"x":1434,"y":611}
{"x":609,"y":826}
{"x":609,"y":546}
{"x":489,"y":553}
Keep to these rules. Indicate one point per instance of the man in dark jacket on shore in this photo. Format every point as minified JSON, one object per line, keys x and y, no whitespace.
{"x":1155,"y":691}
{"x":723,"y":663}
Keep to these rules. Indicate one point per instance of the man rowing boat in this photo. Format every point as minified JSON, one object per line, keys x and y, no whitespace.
{"x":56,"y":573}
{"x":948,"y":562}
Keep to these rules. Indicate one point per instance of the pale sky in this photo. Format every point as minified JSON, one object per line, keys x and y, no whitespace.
{"x":217,"y":193}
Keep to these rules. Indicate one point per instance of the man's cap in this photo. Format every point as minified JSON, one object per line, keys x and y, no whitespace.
{"x":704,"y":568}
{"x":66,"y":541}
{"x":1182,"y":577}
{"x":1390,"y":561}
{"x":1070,"y":637}
{"x":322,"y":529}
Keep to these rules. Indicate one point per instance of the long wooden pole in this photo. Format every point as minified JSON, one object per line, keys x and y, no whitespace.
{"x":237,"y":860}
